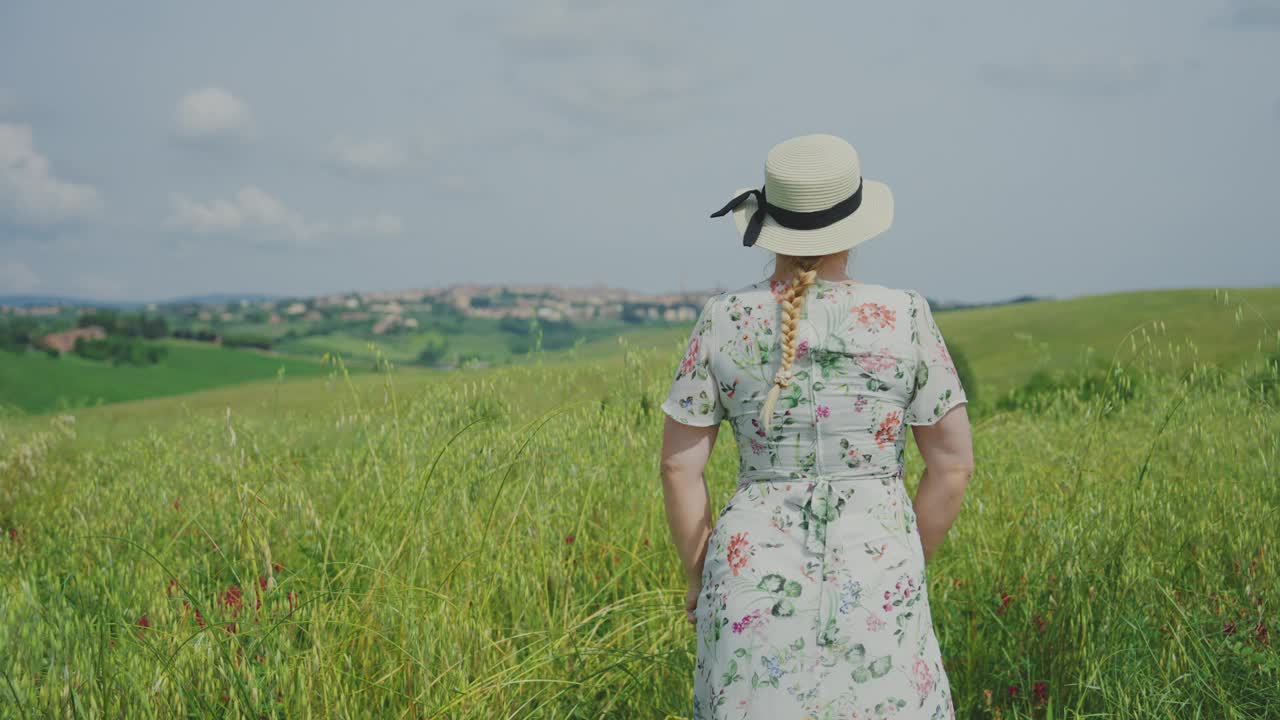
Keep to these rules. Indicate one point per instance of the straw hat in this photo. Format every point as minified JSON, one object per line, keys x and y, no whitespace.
{"x":815,"y":200}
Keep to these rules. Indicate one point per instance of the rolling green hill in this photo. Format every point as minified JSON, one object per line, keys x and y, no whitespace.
{"x":35,"y":382}
{"x":1007,"y":343}
{"x":1004,"y":344}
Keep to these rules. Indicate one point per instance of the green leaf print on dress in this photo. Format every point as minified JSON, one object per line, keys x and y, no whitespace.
{"x":781,"y":590}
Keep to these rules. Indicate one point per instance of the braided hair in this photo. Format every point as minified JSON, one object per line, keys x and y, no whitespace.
{"x":805,"y":273}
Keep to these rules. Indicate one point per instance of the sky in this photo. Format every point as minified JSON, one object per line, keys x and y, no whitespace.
{"x":151,"y":150}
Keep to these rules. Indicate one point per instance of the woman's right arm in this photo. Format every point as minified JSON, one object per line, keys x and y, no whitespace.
{"x":947,"y":449}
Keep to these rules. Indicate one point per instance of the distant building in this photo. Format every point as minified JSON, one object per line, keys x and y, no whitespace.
{"x":65,"y":341}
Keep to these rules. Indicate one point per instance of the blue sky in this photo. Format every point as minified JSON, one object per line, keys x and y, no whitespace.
{"x":157,"y":149}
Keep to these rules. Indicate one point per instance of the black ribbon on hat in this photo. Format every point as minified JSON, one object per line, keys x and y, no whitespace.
{"x":790,"y":218}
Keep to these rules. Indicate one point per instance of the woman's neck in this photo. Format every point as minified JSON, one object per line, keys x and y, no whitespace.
{"x":830,"y":274}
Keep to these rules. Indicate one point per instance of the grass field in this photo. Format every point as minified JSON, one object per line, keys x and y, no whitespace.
{"x":1006,"y":344}
{"x":492,"y":543}
{"x":35,"y":382}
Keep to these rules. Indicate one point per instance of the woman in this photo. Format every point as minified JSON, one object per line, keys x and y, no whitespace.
{"x":809,"y":594}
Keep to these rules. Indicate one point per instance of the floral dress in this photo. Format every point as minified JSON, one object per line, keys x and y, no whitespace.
{"x":814,"y":599}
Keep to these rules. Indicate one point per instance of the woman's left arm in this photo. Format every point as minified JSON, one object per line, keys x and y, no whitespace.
{"x":685,"y":452}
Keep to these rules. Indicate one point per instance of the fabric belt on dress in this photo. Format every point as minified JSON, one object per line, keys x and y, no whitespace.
{"x":820,"y":509}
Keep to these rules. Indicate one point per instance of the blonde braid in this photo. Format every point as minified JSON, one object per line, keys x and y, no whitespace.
{"x":792,"y":302}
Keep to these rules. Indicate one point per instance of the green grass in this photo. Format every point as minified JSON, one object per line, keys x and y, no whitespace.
{"x":1007,"y":343}
{"x":492,"y":543}
{"x":35,"y":382}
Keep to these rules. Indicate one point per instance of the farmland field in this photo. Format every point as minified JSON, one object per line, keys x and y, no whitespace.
{"x":35,"y":382}
{"x":492,"y":543}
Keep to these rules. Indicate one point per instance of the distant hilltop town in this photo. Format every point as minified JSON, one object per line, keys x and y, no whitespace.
{"x":546,"y":302}
{"x":457,"y":325}
{"x":387,"y":311}
{"x":391,"y":309}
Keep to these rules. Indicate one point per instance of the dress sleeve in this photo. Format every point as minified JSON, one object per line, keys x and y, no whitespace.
{"x":694,"y":396}
{"x":937,"y":386}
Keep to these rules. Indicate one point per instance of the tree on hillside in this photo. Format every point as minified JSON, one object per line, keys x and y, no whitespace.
{"x":17,"y":334}
{"x":434,"y":350}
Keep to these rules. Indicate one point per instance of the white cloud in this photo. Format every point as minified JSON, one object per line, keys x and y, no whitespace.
{"x":260,"y":216}
{"x":212,"y":113}
{"x":29,"y":193}
{"x":16,"y":277}
{"x":618,"y":63}
{"x":570,"y":27}
{"x":1076,"y":75}
{"x":622,"y":90}
{"x":372,"y":156}
{"x":383,"y":224}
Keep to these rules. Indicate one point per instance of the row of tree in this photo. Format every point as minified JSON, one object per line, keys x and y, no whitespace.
{"x":120,"y":350}
{"x":135,"y":325}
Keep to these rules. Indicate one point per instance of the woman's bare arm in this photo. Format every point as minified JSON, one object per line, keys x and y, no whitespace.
{"x":947,"y":449}
{"x":685,"y":452}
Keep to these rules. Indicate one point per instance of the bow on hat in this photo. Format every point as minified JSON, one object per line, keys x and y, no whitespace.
{"x":790,"y":218}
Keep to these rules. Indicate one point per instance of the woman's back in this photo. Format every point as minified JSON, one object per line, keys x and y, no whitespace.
{"x":869,"y":360}
{"x":814,"y":597}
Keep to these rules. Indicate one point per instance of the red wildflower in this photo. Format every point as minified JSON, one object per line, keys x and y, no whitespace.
{"x":13,"y":534}
{"x":173,"y":585}
{"x":1013,"y":691}
{"x":569,"y":539}
{"x":1004,"y":602}
{"x":175,"y":504}
{"x":1041,"y":692}
{"x":646,"y":542}
{"x":1261,"y":634}
{"x":233,"y":599}
{"x":232,"y":628}
{"x":1040,"y":622}
{"x":292,"y":599}
{"x":143,"y":622}
{"x":186,"y":605}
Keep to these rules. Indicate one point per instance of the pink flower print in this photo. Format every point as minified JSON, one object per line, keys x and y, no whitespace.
{"x":686,"y":367}
{"x":874,"y":622}
{"x":878,"y":361}
{"x":739,"y":551}
{"x":946,"y":358}
{"x":756,"y":447}
{"x":746,"y":621}
{"x":860,"y":404}
{"x":875,"y":316}
{"x":922,"y":677}
{"x":802,"y":349}
{"x":888,"y":432}
{"x":823,"y":411}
